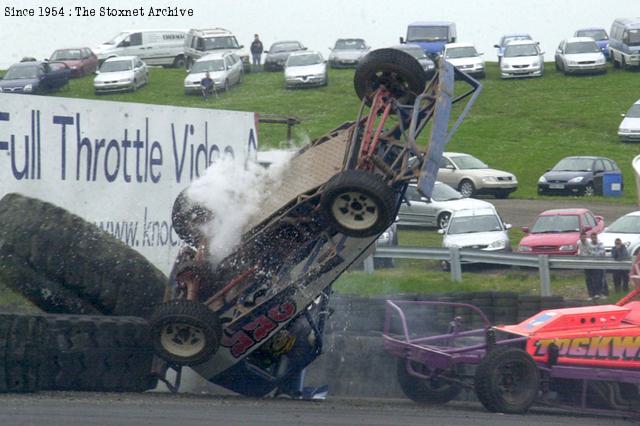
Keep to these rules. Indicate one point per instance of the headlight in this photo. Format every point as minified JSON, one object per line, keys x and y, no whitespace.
{"x":498,"y":244}
{"x":535,"y":64}
{"x":576,"y":179}
{"x":624,"y":130}
{"x":28,"y":88}
{"x":126,"y":80}
{"x":505,"y":66}
{"x":600,"y":61}
{"x":569,"y":247}
{"x":572,"y":62}
{"x":489,"y":179}
{"x":542,"y":179}
{"x":480,"y":66}
{"x":74,"y":68}
{"x":524,"y":249}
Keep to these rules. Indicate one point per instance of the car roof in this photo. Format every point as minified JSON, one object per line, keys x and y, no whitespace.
{"x":587,"y":157}
{"x":305,"y":52}
{"x":579,"y":39}
{"x":629,"y":22}
{"x":590,"y":29}
{"x":480,"y":211}
{"x":71,"y":48}
{"x":520,"y":42}
{"x":350,"y":39}
{"x":173,"y":30}
{"x":516,"y":35}
{"x":432,"y":23}
{"x":564,"y":212}
{"x":285,"y":41}
{"x":121,"y":58}
{"x":28,"y":64}
{"x":215,"y":55}
{"x":211,"y":31}
{"x":450,"y":45}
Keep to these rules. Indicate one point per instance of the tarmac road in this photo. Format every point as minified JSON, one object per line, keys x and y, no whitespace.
{"x":160,"y":409}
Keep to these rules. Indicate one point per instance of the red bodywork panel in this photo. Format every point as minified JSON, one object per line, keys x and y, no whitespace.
{"x":599,"y":336}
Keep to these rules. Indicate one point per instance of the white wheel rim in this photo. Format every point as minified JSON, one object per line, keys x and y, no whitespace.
{"x":355,"y":210}
{"x":182,"y":340}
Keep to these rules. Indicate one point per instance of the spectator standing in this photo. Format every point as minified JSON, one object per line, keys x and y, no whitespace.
{"x":620,"y":278}
{"x":584,"y":249}
{"x":256,"y":51}
{"x":598,"y":277}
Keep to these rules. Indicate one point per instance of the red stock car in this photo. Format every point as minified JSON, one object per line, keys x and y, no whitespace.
{"x":556,"y":232}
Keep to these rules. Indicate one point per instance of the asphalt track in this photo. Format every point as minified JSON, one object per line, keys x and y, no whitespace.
{"x":160,"y":409}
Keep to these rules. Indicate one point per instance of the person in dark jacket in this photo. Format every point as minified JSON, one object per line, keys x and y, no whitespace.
{"x":620,"y":277}
{"x":256,"y":51}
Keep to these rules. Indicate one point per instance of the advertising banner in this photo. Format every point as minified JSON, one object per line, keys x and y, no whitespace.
{"x":118,"y":165}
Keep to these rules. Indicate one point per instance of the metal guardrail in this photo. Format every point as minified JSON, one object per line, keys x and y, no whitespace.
{"x":456,"y":257}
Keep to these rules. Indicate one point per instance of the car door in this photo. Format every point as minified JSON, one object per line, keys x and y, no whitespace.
{"x":140,"y":69}
{"x":558,"y":55}
{"x":131,"y":46}
{"x":448,"y":173}
{"x":231,"y":74}
{"x":419,"y":212}
{"x":598,"y":172}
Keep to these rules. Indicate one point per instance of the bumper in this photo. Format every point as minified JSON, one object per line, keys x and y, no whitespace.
{"x":586,"y":69}
{"x":629,"y":137}
{"x":561,"y":188}
{"x":308,"y":82}
{"x":499,"y":186}
{"x":113,"y":87}
{"x":338,"y":63}
{"x":555,"y":252}
{"x":520,"y":72}
{"x":273,"y":66}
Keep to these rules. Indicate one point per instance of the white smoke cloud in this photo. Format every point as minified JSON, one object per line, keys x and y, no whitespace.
{"x":234,"y":191}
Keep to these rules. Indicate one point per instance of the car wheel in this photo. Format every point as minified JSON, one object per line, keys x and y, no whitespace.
{"x":507,"y":381}
{"x":589,"y":190}
{"x":135,"y":86}
{"x":623,"y":62}
{"x":557,"y":66}
{"x":443,"y":220}
{"x":437,"y":390}
{"x":359,"y":204}
{"x":502,"y":194}
{"x":616,"y":64}
{"x":179,"y":62}
{"x":226,"y":86}
{"x":445,"y":266}
{"x":400,"y":72}
{"x":466,"y":188}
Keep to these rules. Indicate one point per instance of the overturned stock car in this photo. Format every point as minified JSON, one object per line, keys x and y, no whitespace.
{"x":252,"y":322}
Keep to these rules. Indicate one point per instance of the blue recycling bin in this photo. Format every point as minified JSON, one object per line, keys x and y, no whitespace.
{"x":612,"y":184}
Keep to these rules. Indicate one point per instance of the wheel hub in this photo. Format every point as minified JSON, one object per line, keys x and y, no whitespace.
{"x":183,"y":340}
{"x":355,"y":210}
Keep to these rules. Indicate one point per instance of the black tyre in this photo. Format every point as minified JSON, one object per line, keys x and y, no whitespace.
{"x":187,"y":217}
{"x":445,"y":266}
{"x":467,"y":188}
{"x":443,"y":220}
{"x":97,"y":353}
{"x":20,"y":352}
{"x":398,"y":71}
{"x":179,"y":62}
{"x":501,"y":195}
{"x":425,"y":391}
{"x":84,"y":260}
{"x":507,"y":381}
{"x":358,"y":203}
{"x":185,"y":332}
{"x":615,"y":63}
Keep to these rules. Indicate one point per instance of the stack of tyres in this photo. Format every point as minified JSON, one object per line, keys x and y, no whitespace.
{"x":528,"y":306}
{"x":21,"y":352}
{"x":484,"y":301}
{"x":505,"y":307}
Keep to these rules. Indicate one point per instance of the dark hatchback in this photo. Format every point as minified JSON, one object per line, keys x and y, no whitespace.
{"x":279,"y":52}
{"x":577,"y":176}
{"x":35,"y":77}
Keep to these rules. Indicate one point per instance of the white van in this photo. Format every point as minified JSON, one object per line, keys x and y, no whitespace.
{"x":201,"y":42}
{"x":154,"y":47}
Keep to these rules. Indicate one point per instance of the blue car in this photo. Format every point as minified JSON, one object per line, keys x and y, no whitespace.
{"x":599,"y":35}
{"x":431,"y":36}
{"x":507,"y":38}
{"x":35,"y":77}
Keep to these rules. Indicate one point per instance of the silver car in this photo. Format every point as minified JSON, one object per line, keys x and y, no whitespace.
{"x":347,"y":52}
{"x":121,"y":73}
{"x":434,"y":212}
{"x":305,"y":69}
{"x":629,"y":129}
{"x":416,"y":51}
{"x":465,"y":57}
{"x":225,"y":69}
{"x":580,"y":55}
{"x":471,"y":176}
{"x":627,"y":228}
{"x":522,"y":58}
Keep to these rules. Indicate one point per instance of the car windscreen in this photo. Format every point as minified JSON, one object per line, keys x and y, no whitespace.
{"x":428,"y":33}
{"x":514,"y":38}
{"x":574,"y":165}
{"x":210,"y":66}
{"x":634,"y":111}
{"x":556,"y":224}
{"x":597,"y":35}
{"x":224,"y":42}
{"x":66,"y":55}
{"x":284,"y":47}
{"x":356,"y":44}
{"x":466,"y":162}
{"x":443,"y":192}
{"x":18,"y":73}
{"x":117,"y":39}
{"x":303,"y":60}
{"x":115,"y":66}
{"x":415,"y":51}
{"x":472,"y":224}
{"x":514,"y":51}
{"x":626,"y":225}
{"x":582,"y":47}
{"x":461,"y":52}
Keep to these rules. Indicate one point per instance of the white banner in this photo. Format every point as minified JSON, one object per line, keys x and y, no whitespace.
{"x":118,"y":165}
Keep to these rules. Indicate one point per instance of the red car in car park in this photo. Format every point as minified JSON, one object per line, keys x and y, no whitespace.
{"x":81,"y":61}
{"x":556,"y":232}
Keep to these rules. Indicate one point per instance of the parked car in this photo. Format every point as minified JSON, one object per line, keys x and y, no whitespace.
{"x":558,"y":231}
{"x":416,"y":51}
{"x":508,"y":38}
{"x":627,"y":228}
{"x":202,"y":42}
{"x":599,"y":35}
{"x":431,"y":36}
{"x":576,"y":176}
{"x":305,"y":69}
{"x":225,"y":69}
{"x":629,"y":129}
{"x":122,"y":73}
{"x":35,"y":77}
{"x":624,"y":42}
{"x":347,"y":52}
{"x":580,"y":55}
{"x":465,"y":57}
{"x":522,"y":58}
{"x":480,"y":229}
{"x":155,"y":47}
{"x":279,"y":52}
{"x":435,"y":212}
{"x":81,"y":61}
{"x":472,"y":176}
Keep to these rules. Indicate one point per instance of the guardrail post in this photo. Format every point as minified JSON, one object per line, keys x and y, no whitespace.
{"x":456,"y":268}
{"x":368,"y":265}
{"x":545,"y":277}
